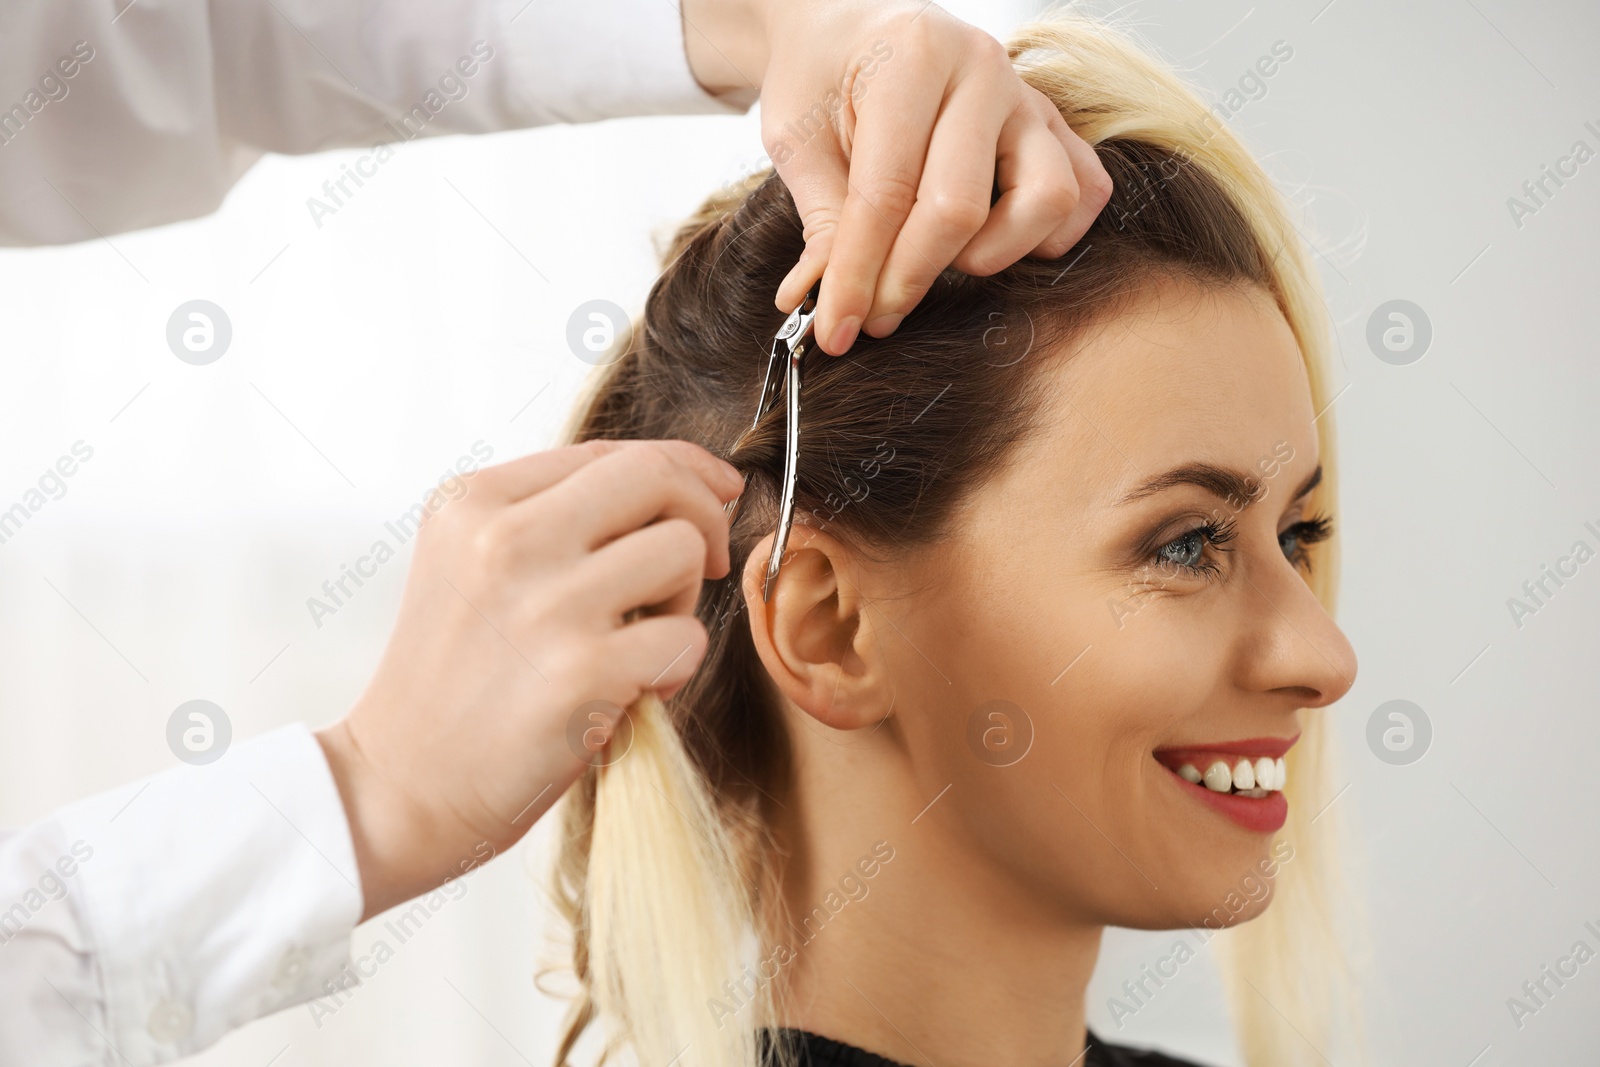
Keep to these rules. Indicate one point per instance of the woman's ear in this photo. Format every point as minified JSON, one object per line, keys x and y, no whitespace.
{"x":813,"y":635}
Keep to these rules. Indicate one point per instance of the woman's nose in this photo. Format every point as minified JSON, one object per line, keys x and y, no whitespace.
{"x":1296,"y":645}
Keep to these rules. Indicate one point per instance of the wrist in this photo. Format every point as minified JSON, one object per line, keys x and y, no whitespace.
{"x":727,"y":43}
{"x":392,"y":834}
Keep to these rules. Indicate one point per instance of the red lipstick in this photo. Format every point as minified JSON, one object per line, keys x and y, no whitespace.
{"x":1265,"y":814}
{"x":1270,"y":747}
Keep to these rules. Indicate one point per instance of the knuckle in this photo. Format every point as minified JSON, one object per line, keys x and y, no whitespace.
{"x":1096,"y":187}
{"x":981,"y":263}
{"x":684,"y":453}
{"x":892,"y":193}
{"x":1053,"y":248}
{"x":683,"y":542}
{"x":494,"y":546}
{"x":480,"y":481}
{"x":674,"y":650}
{"x":898,"y":295}
{"x":654,"y":462}
{"x":1061,"y":198}
{"x":988,"y":51}
{"x":691,"y":631}
{"x":770,"y":132}
{"x":818,"y":227}
{"x":909,"y":32}
{"x":774,"y":139}
{"x":478,"y":477}
{"x":1044,"y":108}
{"x":958,"y":211}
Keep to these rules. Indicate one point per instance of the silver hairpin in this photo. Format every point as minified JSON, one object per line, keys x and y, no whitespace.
{"x":792,"y":341}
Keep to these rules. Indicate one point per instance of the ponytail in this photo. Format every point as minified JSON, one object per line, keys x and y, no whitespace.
{"x":666,"y":918}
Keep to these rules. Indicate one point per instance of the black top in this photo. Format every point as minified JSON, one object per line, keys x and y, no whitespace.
{"x":813,"y":1050}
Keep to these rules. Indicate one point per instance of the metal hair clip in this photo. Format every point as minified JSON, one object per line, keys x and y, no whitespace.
{"x":791,"y":343}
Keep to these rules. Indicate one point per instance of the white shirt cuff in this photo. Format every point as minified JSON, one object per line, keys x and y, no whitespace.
{"x":215,"y":894}
{"x":596,"y":59}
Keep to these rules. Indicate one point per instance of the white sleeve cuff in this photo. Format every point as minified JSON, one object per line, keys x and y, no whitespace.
{"x":597,"y":59}
{"x":215,"y":894}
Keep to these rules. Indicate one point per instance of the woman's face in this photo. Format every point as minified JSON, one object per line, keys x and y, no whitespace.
{"x":1133,"y":589}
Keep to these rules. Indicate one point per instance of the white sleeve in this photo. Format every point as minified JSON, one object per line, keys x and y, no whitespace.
{"x":141,"y":112}
{"x":139,"y":926}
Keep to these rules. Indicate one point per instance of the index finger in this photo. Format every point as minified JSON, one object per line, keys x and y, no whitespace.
{"x":532,"y":474}
{"x":630,"y":489}
{"x":889,"y":147}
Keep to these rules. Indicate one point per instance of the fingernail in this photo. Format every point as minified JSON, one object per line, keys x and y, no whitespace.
{"x":845,"y":333}
{"x":884,"y":325}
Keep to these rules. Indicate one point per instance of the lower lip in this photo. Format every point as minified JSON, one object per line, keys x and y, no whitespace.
{"x":1262,"y":815}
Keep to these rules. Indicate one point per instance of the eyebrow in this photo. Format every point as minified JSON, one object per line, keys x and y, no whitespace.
{"x":1222,"y":482}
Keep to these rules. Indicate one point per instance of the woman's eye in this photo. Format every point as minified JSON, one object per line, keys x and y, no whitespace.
{"x":1301,"y":536}
{"x":1186,"y":551}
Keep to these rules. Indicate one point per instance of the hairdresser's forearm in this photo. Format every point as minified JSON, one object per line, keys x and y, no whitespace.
{"x":727,"y":41}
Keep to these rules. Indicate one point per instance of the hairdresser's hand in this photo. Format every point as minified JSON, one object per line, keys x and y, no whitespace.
{"x":512,"y":619}
{"x":890,"y":123}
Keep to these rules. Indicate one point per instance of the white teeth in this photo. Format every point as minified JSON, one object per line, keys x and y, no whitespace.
{"x":1218,"y":778}
{"x":1266,"y":774}
{"x":1244,"y":775}
{"x":1254,"y":778}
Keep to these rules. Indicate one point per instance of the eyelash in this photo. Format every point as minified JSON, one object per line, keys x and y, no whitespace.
{"x":1217,"y":534}
{"x":1307,"y":532}
{"x":1304,"y":533}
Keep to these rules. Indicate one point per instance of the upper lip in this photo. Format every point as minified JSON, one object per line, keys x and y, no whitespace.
{"x":1270,"y":747}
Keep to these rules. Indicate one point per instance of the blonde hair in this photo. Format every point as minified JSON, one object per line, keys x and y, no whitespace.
{"x":668,"y":871}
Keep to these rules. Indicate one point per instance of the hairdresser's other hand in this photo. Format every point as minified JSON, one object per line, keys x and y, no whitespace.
{"x":512,"y":618}
{"x":891,"y":122}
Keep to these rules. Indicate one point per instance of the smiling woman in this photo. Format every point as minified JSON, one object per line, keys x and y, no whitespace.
{"x":995,"y":510}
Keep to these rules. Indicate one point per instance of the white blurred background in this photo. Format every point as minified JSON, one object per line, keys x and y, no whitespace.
{"x":430,"y":313}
